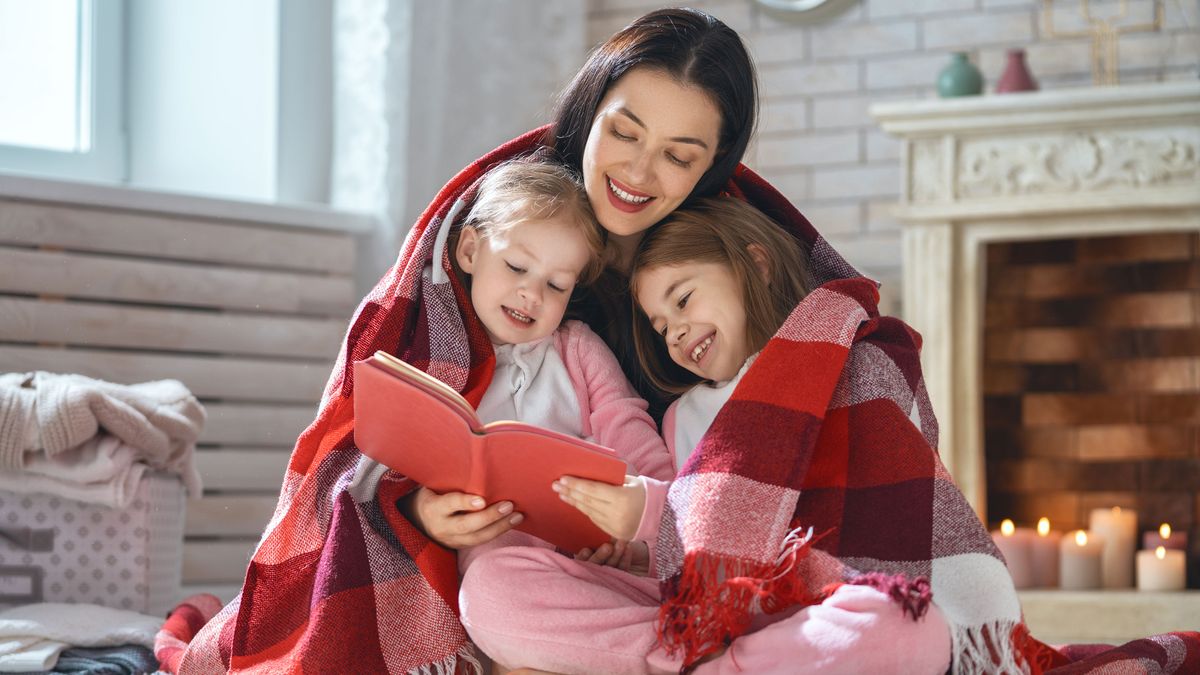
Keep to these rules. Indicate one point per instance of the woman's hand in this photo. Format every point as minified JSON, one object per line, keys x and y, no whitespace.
{"x":457,"y":520}
{"x":616,"y":509}
{"x":631,"y":556}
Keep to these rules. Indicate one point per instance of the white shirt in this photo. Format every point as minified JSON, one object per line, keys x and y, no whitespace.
{"x":696,"y":410}
{"x":531,"y":385}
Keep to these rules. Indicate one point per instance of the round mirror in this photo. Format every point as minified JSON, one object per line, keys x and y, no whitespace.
{"x":805,"y":10}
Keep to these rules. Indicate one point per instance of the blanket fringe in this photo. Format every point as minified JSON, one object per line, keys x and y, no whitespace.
{"x":462,"y":662}
{"x":988,"y":648}
{"x":712,"y":599}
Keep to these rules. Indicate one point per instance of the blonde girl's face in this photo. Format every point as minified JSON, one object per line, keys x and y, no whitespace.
{"x":522,"y":277}
{"x":697,"y":309}
{"x":651,"y":140}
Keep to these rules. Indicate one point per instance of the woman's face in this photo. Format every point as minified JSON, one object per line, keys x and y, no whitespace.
{"x":650,"y":142}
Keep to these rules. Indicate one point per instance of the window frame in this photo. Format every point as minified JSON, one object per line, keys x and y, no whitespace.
{"x":107,"y":160}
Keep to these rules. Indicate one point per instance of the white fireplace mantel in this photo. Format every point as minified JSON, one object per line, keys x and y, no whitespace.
{"x":1038,"y":165}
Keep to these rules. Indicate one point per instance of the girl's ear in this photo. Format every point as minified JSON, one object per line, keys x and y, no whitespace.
{"x":467,"y":249}
{"x":761,"y":261}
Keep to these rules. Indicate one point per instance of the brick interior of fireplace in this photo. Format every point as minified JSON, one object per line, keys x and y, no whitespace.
{"x":1092,"y":381}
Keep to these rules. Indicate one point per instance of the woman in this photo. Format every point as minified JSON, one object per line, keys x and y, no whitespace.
{"x":343,"y":580}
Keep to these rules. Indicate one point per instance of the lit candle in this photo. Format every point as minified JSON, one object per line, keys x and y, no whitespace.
{"x":1044,"y":555}
{"x":1165,"y":538}
{"x":1160,"y":570}
{"x":1015,"y":544}
{"x":1119,"y":528}
{"x":1079,"y":561}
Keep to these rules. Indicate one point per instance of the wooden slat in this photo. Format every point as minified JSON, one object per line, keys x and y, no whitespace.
{"x":256,"y":425}
{"x":235,"y":469}
{"x":102,"y":325}
{"x":110,"y":278}
{"x":229,"y":515}
{"x":206,"y":377}
{"x":173,"y":237}
{"x":221,"y":562}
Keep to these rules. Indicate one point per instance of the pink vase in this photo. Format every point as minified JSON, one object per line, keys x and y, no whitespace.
{"x":1016,"y":75}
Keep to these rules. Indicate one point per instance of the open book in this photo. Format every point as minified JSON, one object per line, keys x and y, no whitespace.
{"x":415,"y":424}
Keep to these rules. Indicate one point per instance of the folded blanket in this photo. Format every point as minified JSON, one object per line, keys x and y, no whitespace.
{"x":52,"y":413}
{"x":33,"y":636}
{"x":124,"y":660}
{"x":101,"y":471}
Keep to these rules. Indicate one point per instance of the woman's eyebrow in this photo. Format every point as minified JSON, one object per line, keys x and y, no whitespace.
{"x":678,"y":139}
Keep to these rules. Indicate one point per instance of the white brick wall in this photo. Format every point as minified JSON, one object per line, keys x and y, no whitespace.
{"x":817,"y":143}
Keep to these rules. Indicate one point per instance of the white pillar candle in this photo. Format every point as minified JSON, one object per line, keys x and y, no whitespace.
{"x":1119,"y":528}
{"x":1014,"y":543}
{"x":1044,"y":555}
{"x":1160,"y":570}
{"x":1079,"y":561}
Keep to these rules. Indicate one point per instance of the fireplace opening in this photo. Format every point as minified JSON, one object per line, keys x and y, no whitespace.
{"x":1091,"y":381}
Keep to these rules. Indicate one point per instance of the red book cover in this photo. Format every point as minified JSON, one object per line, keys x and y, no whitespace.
{"x":413,"y":423}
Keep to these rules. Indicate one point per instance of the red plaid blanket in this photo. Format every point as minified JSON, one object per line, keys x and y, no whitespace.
{"x":340,"y":582}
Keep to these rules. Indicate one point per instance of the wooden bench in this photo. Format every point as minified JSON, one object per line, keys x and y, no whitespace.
{"x":247,"y":312}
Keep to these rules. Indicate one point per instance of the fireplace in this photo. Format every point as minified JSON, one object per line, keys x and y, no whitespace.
{"x":1050,"y":263}
{"x":1091,"y":378}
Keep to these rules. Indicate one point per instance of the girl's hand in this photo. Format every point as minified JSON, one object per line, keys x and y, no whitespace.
{"x":457,"y":520}
{"x":616,"y":509}
{"x":631,"y":556}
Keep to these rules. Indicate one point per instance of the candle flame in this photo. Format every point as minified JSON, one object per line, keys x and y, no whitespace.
{"x":1164,"y":531}
{"x":1081,"y":538}
{"x":1044,"y":526}
{"x":1160,"y":552}
{"x":1116,"y":510}
{"x":1007,"y":528}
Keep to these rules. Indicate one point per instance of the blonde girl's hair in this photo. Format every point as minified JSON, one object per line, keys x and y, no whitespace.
{"x":523,"y":190}
{"x":721,"y":230}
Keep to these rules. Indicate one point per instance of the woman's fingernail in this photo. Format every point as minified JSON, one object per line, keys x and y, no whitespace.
{"x":477,"y":502}
{"x":506,"y":507}
{"x":556,"y":487}
{"x":516,"y":520}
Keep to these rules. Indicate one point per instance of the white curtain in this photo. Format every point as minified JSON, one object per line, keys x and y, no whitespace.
{"x":423,"y":87}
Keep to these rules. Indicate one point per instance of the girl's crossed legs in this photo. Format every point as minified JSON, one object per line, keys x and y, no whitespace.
{"x":532,"y":607}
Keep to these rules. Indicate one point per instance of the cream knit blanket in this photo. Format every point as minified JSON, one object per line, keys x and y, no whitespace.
{"x":52,"y":413}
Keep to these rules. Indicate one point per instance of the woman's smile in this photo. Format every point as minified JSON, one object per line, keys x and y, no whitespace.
{"x":625,"y":198}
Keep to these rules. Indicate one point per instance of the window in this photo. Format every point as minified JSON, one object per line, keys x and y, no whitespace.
{"x":61,"y":88}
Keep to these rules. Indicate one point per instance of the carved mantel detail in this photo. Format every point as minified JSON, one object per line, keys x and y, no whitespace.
{"x":1078,"y":162}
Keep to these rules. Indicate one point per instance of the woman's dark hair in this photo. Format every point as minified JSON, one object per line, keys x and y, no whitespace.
{"x":687,"y":44}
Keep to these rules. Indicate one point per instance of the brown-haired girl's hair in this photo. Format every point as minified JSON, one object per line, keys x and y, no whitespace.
{"x":522,"y":190}
{"x":694,"y":48}
{"x":721,"y":230}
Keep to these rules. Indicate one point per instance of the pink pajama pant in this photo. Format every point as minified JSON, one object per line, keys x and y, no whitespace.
{"x":531,"y":607}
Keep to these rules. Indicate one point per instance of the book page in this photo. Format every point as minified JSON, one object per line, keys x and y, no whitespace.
{"x":429,"y":383}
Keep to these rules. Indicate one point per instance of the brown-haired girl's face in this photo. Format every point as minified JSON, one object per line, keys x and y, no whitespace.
{"x":697,"y":308}
{"x":651,"y":140}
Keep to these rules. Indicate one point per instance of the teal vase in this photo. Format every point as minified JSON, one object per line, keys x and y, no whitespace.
{"x":959,"y":78}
